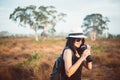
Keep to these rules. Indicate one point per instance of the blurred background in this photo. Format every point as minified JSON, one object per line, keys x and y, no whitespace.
{"x":32,"y":36}
{"x":76,"y":11}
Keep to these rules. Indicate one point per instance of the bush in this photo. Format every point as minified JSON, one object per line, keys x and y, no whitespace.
{"x":38,"y":65}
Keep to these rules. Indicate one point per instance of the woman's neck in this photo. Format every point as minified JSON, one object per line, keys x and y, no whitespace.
{"x":77,"y":54}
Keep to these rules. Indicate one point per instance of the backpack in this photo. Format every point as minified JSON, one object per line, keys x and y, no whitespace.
{"x":58,"y":68}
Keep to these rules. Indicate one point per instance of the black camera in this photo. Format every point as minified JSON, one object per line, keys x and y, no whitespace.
{"x":81,"y":50}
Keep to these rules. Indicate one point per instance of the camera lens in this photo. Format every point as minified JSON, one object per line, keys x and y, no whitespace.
{"x":89,"y":58}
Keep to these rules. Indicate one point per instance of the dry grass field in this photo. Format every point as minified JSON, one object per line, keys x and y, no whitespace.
{"x":26,"y":59}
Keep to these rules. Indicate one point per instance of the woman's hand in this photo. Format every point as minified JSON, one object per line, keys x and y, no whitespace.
{"x":88,"y":47}
{"x":86,"y":52}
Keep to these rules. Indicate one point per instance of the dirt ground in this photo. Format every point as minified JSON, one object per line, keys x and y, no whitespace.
{"x":106,"y":56}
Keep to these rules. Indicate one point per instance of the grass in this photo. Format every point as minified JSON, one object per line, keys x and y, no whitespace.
{"x":29,"y":60}
{"x":97,"y":50}
{"x":34,"y":60}
{"x":4,"y":42}
{"x":37,"y":63}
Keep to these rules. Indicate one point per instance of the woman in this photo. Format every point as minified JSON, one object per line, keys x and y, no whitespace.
{"x":73,"y":61}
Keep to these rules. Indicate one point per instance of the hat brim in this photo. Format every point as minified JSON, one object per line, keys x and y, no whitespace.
{"x":77,"y":36}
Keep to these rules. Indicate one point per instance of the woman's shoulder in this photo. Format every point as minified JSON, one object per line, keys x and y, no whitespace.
{"x":68,"y":51}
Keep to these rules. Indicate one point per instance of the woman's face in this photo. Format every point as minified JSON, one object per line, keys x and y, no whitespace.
{"x":78,"y":42}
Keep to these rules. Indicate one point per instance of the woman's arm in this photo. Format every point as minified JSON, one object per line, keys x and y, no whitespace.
{"x":67,"y":57}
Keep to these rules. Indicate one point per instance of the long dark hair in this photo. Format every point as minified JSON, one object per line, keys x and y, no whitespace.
{"x":70,"y":43}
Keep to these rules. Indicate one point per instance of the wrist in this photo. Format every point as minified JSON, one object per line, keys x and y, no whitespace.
{"x":81,"y":59}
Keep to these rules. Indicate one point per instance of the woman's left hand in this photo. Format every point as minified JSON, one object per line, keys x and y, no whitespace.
{"x":88,"y":47}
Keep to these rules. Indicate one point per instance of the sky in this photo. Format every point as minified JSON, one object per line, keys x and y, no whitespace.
{"x":76,"y":11}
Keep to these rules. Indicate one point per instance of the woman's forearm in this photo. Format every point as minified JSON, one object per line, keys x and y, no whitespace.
{"x":89,"y":65}
{"x":74,"y":67}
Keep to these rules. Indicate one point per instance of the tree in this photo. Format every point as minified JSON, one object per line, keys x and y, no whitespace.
{"x":4,"y":34}
{"x":95,"y":24}
{"x":51,"y":18}
{"x":36,"y":18}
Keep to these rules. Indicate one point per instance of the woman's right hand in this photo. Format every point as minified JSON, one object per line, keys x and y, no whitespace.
{"x":86,"y":53}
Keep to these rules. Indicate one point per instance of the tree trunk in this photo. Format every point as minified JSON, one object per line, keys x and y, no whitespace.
{"x":44,"y":35}
{"x":36,"y":36}
{"x":44,"y":32}
{"x":106,"y":34}
{"x":93,"y":35}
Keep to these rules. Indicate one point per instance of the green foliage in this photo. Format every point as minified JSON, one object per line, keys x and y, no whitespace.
{"x":118,"y":36}
{"x":97,"y":49}
{"x":33,"y":61}
{"x":37,"y":18}
{"x":4,"y":34}
{"x":95,"y":24}
{"x":112,"y":36}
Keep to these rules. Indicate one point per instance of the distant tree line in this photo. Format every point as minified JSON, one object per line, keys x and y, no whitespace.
{"x":6,"y":34}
